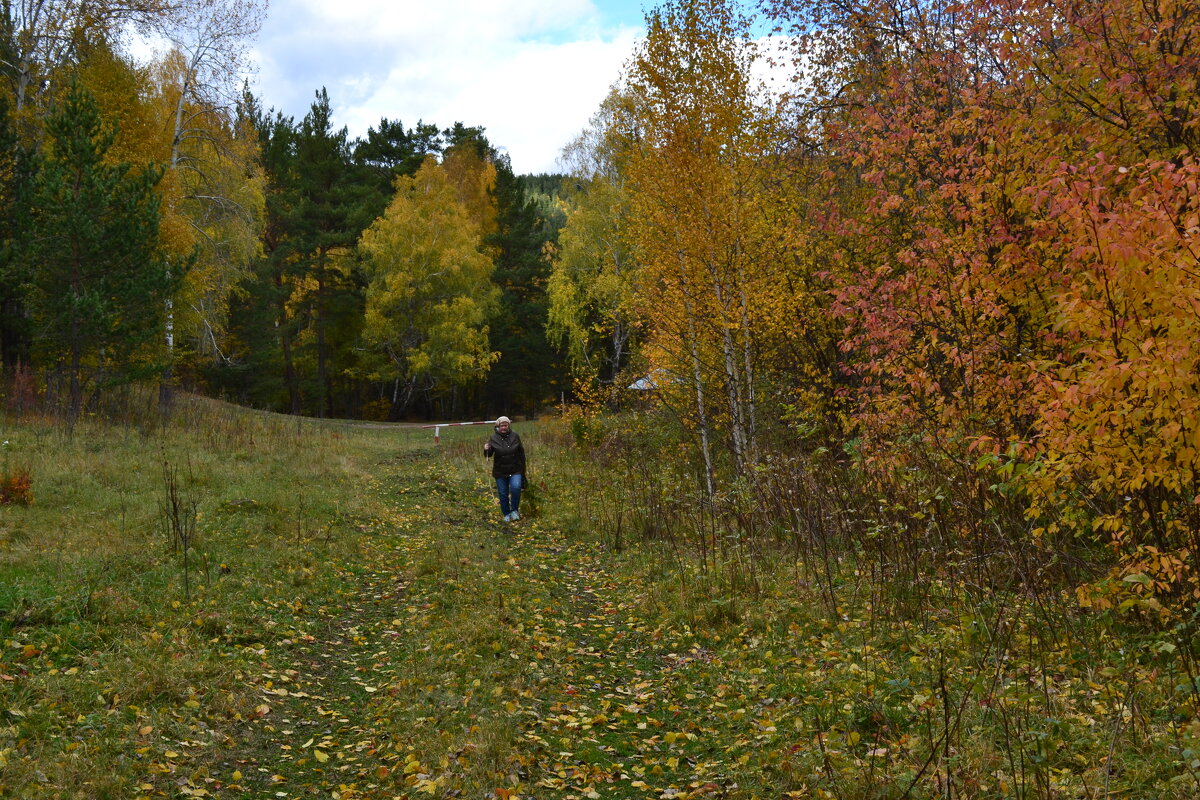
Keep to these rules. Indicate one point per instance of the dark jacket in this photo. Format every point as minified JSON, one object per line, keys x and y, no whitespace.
{"x":507,"y":454}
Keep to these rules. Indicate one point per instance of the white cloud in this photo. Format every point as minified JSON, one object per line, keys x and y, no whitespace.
{"x":498,"y":19}
{"x":531,"y":72}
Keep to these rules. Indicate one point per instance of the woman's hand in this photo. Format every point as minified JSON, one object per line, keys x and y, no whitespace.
{"x":487,"y":446}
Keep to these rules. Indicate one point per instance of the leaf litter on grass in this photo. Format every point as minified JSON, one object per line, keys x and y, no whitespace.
{"x":446,"y":655}
{"x":514,"y":665}
{"x":464,"y":659}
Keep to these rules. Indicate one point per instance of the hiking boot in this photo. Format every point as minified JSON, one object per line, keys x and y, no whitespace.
{"x":515,"y":516}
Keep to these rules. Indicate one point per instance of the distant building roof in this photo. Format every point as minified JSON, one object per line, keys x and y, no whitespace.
{"x":646,"y":383}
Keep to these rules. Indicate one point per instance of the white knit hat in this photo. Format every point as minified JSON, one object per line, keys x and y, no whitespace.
{"x":503,"y":419}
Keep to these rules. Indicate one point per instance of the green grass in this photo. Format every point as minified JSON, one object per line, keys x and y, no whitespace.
{"x":361,"y":625}
{"x":108,"y":662}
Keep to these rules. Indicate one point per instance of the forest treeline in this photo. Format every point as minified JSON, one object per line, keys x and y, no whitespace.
{"x":946,"y":251}
{"x":164,"y":225}
{"x":947,"y":247}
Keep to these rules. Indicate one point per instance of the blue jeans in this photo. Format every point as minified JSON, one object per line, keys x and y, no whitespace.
{"x":509,"y":490}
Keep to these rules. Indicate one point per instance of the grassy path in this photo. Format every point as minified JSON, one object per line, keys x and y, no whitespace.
{"x":361,"y":625}
{"x":469,"y":658}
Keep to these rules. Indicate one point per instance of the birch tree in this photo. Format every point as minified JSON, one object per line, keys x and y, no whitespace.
{"x":430,"y":289}
{"x":46,"y":36}
{"x":593,"y":277}
{"x":214,"y":184}
{"x":699,"y":204}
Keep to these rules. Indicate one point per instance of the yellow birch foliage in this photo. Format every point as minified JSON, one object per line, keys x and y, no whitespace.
{"x":727,"y":297}
{"x":594,"y":269}
{"x":213,"y":199}
{"x":591,"y":281}
{"x":430,"y":289}
{"x":474,"y":179}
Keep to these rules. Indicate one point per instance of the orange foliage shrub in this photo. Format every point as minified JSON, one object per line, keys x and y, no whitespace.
{"x":1015,"y":196}
{"x":22,"y":390}
{"x":16,"y":488}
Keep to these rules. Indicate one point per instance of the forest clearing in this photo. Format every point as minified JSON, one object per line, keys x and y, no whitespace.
{"x":856,"y":350}
{"x":349,"y":618}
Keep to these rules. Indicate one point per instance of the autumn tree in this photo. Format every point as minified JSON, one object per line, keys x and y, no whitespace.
{"x":1117,"y":215}
{"x":591,"y":286}
{"x":430,"y":291}
{"x":46,"y":36}
{"x":512,"y":235}
{"x":209,"y":43}
{"x":469,"y":161}
{"x":99,"y":277}
{"x":706,"y":217}
{"x":214,"y":186}
{"x":1010,"y":209}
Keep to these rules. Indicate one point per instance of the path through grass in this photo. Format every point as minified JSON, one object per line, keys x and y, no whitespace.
{"x":471,"y":658}
{"x":364,"y":626}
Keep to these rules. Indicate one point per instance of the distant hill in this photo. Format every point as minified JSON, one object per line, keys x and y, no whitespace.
{"x":543,"y":183}
{"x":545,"y":190}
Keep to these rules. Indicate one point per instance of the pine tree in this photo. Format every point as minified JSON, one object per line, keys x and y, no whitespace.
{"x":264,"y":324}
{"x":333,"y":207}
{"x":297,"y":320}
{"x":527,"y":371}
{"x":99,"y":281}
{"x":14,"y":332}
{"x":390,"y":151}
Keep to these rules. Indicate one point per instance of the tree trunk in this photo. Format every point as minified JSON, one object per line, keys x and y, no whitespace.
{"x":24,"y":78}
{"x":285,"y":343}
{"x":177,"y":139}
{"x":733,"y":377}
{"x":319,"y":321}
{"x":701,"y":413}
{"x":619,"y":337}
{"x":697,"y":384}
{"x":75,"y":399}
{"x":165,"y":392}
{"x":748,"y":371}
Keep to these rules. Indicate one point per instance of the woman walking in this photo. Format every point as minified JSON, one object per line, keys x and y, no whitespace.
{"x":508,"y":467}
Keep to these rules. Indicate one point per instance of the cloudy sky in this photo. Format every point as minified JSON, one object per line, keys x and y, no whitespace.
{"x":531,"y":72}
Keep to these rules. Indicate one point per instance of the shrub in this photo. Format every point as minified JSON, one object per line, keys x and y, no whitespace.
{"x":16,"y":488}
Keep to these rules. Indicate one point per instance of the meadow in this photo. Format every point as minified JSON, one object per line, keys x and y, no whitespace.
{"x":233,"y":604}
